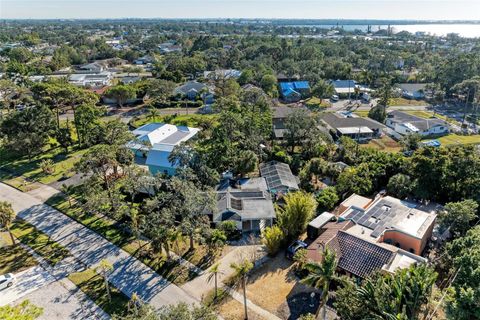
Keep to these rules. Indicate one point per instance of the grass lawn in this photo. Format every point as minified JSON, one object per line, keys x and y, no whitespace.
{"x":384,"y":144}
{"x":27,"y":234}
{"x":315,"y":103}
{"x":454,"y":139}
{"x":362,"y":113}
{"x":191,"y":120}
{"x":92,"y":284}
{"x":30,"y":169}
{"x":111,"y":231}
{"x":14,"y":259}
{"x":407,"y":102}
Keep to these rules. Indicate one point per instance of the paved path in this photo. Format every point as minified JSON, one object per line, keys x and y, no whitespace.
{"x":130,"y":275}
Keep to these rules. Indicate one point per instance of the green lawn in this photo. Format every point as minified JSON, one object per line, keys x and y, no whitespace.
{"x":191,"y":120}
{"x":14,"y":259}
{"x":362,"y":113}
{"x":27,"y":234}
{"x":171,"y":270}
{"x":92,"y":284}
{"x":30,"y":169}
{"x":407,"y":102}
{"x":316,"y":103}
{"x":454,"y":139}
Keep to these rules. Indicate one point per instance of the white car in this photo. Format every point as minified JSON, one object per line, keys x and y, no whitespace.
{"x":6,"y":281}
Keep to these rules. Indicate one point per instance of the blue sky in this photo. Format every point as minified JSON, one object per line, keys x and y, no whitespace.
{"x":346,"y":9}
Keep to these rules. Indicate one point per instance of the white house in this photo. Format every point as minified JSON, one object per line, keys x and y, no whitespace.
{"x":413,"y":90}
{"x":405,"y":123}
{"x":155,"y":142}
{"x":94,"y":80}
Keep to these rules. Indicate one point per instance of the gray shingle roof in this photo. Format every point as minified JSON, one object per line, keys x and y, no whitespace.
{"x":335,"y":121}
{"x":420,"y":123}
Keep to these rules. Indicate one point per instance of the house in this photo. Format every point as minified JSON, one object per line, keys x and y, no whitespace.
{"x":144,"y":60}
{"x":345,"y":88}
{"x":357,"y":256}
{"x":280,"y":115}
{"x":279,"y":177}
{"x":155,"y":141}
{"x":93,"y":67}
{"x":404,"y":123}
{"x":393,"y":221}
{"x":413,"y":90}
{"x":247,"y":202}
{"x":169,"y":47}
{"x":357,"y":128}
{"x":193,"y":90}
{"x":384,"y":234}
{"x":222,"y":74}
{"x":293,"y":91}
{"x":92,"y":80}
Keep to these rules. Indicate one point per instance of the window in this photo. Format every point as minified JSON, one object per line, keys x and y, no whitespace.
{"x":411,"y":250}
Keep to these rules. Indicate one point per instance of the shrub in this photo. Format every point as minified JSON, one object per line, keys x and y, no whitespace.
{"x":230,"y":229}
{"x":47,"y":166}
{"x":272,"y":238}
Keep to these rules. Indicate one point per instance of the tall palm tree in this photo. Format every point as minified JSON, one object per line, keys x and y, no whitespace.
{"x":7,"y":215}
{"x":320,"y":276}
{"x":68,"y":191}
{"x":213,"y":274}
{"x":104,"y":268}
{"x":241,"y":271}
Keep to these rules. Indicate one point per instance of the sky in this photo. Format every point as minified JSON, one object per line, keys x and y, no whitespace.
{"x":308,"y":9}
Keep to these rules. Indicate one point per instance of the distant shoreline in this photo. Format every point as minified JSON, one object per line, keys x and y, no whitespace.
{"x":296,"y":21}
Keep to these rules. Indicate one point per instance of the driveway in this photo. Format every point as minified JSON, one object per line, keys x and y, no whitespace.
{"x":129,"y":275}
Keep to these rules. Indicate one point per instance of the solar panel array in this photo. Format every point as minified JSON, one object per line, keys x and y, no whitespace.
{"x":377,"y":218}
{"x":278,"y":175}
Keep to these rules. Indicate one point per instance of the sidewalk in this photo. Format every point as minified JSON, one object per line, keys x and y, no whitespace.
{"x":129,"y":275}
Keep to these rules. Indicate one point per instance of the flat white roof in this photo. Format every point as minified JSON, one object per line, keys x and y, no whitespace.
{"x":354,"y":130}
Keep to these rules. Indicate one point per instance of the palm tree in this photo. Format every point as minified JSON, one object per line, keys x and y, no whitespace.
{"x":213,"y":274}
{"x":68,"y":191}
{"x":104,"y":268}
{"x":135,"y":220}
{"x":241,"y":271}
{"x":320,"y":276}
{"x":153,"y":113}
{"x":7,"y":215}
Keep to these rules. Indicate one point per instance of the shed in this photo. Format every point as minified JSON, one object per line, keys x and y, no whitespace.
{"x":314,"y":227}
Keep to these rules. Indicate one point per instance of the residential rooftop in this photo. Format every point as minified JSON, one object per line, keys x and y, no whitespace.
{"x":389,"y":213}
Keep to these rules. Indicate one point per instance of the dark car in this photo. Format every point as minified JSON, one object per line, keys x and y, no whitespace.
{"x":293,"y":248}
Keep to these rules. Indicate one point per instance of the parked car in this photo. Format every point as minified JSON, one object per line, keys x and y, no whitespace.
{"x":293,"y":248}
{"x":334,"y":98}
{"x":6,"y":281}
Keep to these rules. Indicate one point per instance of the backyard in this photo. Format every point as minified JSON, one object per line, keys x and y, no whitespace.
{"x":385,"y":143}
{"x":275,"y":287}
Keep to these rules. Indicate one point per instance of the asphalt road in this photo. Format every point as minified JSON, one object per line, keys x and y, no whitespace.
{"x":129,"y":275}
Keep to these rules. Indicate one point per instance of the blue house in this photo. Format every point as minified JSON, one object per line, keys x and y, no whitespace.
{"x":154,"y":142}
{"x":294,"y":91}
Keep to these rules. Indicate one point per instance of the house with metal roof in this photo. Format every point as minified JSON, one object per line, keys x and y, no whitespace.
{"x":404,"y":124}
{"x":193,"y":90}
{"x":247,"y":202}
{"x":154,"y":142}
{"x":279,"y":177}
{"x":293,"y":91}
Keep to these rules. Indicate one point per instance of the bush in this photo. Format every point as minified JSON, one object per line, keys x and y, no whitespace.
{"x":327,"y":199}
{"x":47,"y":166}
{"x":230,"y":229}
{"x":272,"y":238}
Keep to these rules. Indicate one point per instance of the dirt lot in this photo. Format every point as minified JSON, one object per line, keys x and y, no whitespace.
{"x":275,"y":288}
{"x":231,"y":309}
